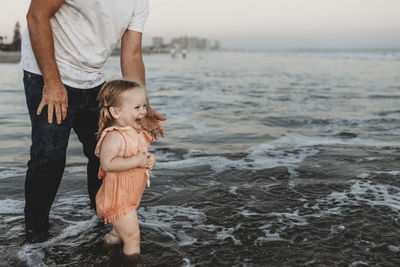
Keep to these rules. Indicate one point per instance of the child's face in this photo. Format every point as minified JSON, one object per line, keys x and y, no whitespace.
{"x":133,"y":108}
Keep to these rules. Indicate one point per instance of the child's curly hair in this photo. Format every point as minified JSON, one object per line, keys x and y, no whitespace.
{"x":110,"y":96}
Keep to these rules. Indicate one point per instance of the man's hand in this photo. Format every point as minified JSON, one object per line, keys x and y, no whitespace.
{"x":56,"y":98}
{"x":151,"y":123}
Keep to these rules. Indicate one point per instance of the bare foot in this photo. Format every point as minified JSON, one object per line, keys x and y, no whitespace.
{"x":112,"y":238}
{"x":133,"y":260}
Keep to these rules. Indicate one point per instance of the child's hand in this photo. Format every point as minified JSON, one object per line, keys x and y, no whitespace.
{"x":151,"y":161}
{"x":143,"y":159}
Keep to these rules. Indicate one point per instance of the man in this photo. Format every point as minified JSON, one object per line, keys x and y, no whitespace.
{"x":63,"y":52}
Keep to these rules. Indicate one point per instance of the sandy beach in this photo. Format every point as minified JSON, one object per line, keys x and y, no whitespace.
{"x":10,"y":56}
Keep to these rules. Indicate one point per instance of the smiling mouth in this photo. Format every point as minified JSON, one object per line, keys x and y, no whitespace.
{"x":138,"y":120}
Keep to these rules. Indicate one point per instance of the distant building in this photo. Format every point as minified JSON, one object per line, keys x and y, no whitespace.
{"x":192,"y":43}
{"x":180,"y":44}
{"x":216,"y":45}
{"x":158,"y":42}
{"x":204,"y":44}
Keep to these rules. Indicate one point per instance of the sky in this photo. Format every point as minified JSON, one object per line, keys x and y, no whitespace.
{"x":261,"y":24}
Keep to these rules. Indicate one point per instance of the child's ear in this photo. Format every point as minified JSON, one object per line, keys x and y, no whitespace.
{"x":114,"y":112}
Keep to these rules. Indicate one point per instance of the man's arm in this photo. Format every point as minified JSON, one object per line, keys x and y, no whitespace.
{"x":41,"y":36}
{"x":132,"y":67}
{"x":131,"y":56}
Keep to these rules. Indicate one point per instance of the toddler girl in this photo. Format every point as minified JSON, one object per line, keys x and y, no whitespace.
{"x":124,"y":160}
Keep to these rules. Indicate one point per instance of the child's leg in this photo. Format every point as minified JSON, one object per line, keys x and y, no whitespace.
{"x":128,"y":229}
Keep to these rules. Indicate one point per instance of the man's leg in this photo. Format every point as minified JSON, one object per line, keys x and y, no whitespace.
{"x":85,"y":125}
{"x":47,"y":158}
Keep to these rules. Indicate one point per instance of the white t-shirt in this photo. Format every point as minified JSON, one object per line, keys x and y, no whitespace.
{"x":85,"y":33}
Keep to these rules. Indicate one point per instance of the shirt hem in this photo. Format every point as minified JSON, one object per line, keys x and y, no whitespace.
{"x":136,"y":29}
{"x":70,"y":84}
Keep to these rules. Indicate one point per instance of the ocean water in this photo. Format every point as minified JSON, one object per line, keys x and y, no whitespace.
{"x":270,"y":159}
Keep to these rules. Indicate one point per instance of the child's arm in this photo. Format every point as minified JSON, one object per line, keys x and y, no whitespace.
{"x":110,"y":159}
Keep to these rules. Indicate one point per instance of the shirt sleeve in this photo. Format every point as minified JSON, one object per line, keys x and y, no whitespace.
{"x":139,"y":17}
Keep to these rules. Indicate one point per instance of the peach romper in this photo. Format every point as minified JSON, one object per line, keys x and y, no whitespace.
{"x":121,"y":192}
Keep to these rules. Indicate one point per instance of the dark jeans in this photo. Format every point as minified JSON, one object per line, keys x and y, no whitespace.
{"x":49,"y":144}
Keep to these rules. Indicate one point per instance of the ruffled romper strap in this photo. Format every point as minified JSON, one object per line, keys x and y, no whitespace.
{"x":103,"y":135}
{"x":102,"y":173}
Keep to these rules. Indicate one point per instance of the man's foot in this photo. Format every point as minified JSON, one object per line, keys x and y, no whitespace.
{"x":93,"y":206}
{"x":36,"y":236}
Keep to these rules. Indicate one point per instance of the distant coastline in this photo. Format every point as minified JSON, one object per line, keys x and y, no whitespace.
{"x":15,"y":56}
{"x":10,"y":56}
{"x":362,"y":53}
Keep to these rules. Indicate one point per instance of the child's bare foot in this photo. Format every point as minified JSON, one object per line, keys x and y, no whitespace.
{"x":133,"y":260}
{"x":112,"y":238}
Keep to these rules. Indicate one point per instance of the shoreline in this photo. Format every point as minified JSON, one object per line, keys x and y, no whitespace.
{"x":10,"y":56}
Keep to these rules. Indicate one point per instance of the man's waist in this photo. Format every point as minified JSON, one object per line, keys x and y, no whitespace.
{"x":71,"y":76}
